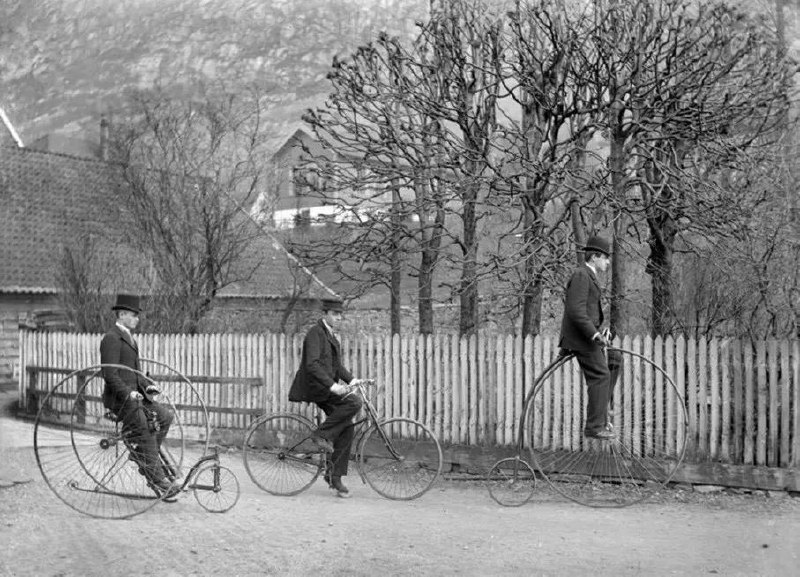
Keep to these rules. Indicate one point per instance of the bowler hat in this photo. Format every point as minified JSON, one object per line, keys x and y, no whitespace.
{"x":332,"y":305}
{"x":598,"y":244}
{"x":127,"y":303}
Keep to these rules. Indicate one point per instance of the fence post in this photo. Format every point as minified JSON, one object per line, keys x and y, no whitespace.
{"x":485,"y":392}
{"x":463,"y":365}
{"x":474,"y":389}
{"x":649,"y":385}
{"x":786,"y":405}
{"x":713,"y":381}
{"x":32,"y":395}
{"x":749,"y":405}
{"x":725,"y":429}
{"x":774,"y":418}
{"x":761,"y":431}
{"x":80,"y":399}
{"x":738,"y":403}
{"x":795,"y":461}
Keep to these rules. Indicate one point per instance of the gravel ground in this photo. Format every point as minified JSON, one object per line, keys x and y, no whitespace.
{"x":455,"y":529}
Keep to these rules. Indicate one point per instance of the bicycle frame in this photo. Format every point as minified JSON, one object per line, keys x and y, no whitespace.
{"x":190,"y":475}
{"x":371,"y":419}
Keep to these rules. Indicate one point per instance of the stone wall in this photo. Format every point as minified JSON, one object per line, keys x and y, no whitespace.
{"x":259,"y":315}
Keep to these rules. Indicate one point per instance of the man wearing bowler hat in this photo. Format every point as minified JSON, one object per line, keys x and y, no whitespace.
{"x":581,"y":335}
{"x":126,"y":394}
{"x":317,"y":381}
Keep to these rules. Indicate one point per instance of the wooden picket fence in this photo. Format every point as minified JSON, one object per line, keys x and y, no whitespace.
{"x":741,"y":397}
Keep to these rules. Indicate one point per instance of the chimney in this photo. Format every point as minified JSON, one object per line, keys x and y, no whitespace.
{"x":103,"y":137}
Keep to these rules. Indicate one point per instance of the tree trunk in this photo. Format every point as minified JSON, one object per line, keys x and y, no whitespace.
{"x":533,"y":287}
{"x":659,"y":267}
{"x":468,"y":322}
{"x":532,"y":306}
{"x":425,"y":292}
{"x":396,"y":265}
{"x":618,"y":317}
{"x":618,"y":314}
{"x":577,"y":230}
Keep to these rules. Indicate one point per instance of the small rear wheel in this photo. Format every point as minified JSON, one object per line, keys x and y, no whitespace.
{"x":279,"y":455}
{"x":400,"y":458}
{"x":511,"y":482}
{"x":216,"y":488}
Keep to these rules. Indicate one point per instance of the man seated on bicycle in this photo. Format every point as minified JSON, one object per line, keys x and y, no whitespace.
{"x":317,"y":381}
{"x":145,"y":422}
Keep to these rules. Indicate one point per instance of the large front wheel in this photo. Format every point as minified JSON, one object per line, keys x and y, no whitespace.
{"x":647,"y":416}
{"x":400,"y":458}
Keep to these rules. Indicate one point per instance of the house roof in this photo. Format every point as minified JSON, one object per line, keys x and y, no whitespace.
{"x":70,"y":145}
{"x":46,"y":199}
{"x":297,"y":138}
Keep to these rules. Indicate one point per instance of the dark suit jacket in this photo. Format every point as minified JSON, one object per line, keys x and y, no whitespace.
{"x":320,"y":366}
{"x":116,"y":348}
{"x":583,"y":314}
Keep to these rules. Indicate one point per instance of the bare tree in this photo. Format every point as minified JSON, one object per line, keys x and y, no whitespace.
{"x":545,"y":74}
{"x":467,"y":41}
{"x":187,"y":165}
{"x":377,"y":168}
{"x":689,"y":90}
{"x":88,"y":277}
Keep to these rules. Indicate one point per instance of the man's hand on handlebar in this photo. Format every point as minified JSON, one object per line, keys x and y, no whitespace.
{"x":351,"y":386}
{"x":362,"y":382}
{"x":602,"y":338}
{"x":340,"y":390}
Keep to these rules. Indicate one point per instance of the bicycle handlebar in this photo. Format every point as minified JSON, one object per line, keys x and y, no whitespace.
{"x":362,"y":383}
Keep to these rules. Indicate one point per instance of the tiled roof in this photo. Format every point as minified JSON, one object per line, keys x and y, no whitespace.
{"x":47,"y":198}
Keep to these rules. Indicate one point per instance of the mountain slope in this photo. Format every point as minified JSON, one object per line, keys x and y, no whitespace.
{"x":63,"y":62}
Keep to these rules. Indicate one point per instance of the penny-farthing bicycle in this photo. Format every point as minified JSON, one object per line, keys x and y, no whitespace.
{"x":649,"y":420}
{"x":85,"y":454}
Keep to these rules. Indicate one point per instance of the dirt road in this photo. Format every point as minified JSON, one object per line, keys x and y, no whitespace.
{"x":456,"y":529}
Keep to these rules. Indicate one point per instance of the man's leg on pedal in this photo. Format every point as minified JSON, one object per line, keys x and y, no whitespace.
{"x":144,"y":447}
{"x":338,"y":428}
{"x":163,"y":416}
{"x":595,"y":371}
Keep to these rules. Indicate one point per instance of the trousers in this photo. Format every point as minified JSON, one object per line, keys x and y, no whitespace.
{"x":598,"y":385}
{"x":145,"y":433}
{"x":338,"y":428}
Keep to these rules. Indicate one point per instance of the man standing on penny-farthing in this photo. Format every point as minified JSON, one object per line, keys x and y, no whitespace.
{"x":144,"y":421}
{"x":582,"y":335}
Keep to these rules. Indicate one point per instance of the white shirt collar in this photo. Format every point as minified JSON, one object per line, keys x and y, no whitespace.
{"x":327,"y":326}
{"x":125,"y":330}
{"x":594,"y":270}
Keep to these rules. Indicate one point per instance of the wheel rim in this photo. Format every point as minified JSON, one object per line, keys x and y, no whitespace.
{"x":278,"y":456}
{"x":511,"y":482}
{"x":216,"y":488}
{"x":650,"y":426}
{"x":81,"y":454}
{"x":401,"y":460}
